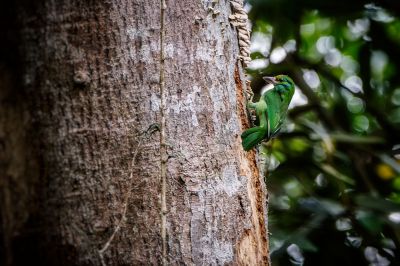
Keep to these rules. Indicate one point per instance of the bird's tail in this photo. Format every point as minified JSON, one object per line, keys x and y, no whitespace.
{"x":252,"y":137}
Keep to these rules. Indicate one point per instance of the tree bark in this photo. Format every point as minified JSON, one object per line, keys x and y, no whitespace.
{"x":92,"y":72}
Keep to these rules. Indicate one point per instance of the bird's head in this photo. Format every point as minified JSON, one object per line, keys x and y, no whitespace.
{"x":280,"y":79}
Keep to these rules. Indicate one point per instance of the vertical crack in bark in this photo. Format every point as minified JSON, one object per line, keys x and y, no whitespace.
{"x":163,"y":145}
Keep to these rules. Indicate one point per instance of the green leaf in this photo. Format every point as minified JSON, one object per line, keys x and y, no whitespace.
{"x":336,"y":174}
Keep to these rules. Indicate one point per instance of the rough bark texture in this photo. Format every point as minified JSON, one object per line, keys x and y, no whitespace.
{"x":92,"y":74}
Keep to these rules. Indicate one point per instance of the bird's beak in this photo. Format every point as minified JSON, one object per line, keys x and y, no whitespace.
{"x":270,"y":80}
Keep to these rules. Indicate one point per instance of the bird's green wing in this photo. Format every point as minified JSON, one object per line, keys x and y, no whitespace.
{"x":277,"y":100}
{"x":274,"y":113}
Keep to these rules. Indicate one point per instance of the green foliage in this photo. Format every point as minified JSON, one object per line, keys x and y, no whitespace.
{"x":334,"y":179}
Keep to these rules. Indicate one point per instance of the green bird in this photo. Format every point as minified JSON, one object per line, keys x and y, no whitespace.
{"x":271,"y":111}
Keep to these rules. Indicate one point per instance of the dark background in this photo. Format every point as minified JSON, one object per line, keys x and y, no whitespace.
{"x":334,"y":172}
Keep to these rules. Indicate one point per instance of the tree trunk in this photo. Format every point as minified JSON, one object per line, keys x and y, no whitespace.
{"x":137,"y":114}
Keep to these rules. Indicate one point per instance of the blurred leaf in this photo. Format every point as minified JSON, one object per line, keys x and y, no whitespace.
{"x":361,"y":123}
{"x":356,"y":139}
{"x":336,"y":174}
{"x":304,"y":244}
{"x":396,"y":97}
{"x":396,"y":183}
{"x":378,"y":204}
{"x":353,"y":241}
{"x":395,"y":116}
{"x":299,"y":145}
{"x":321,"y":206}
{"x":371,"y":222}
{"x":293,"y":188}
{"x":390,"y":161}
